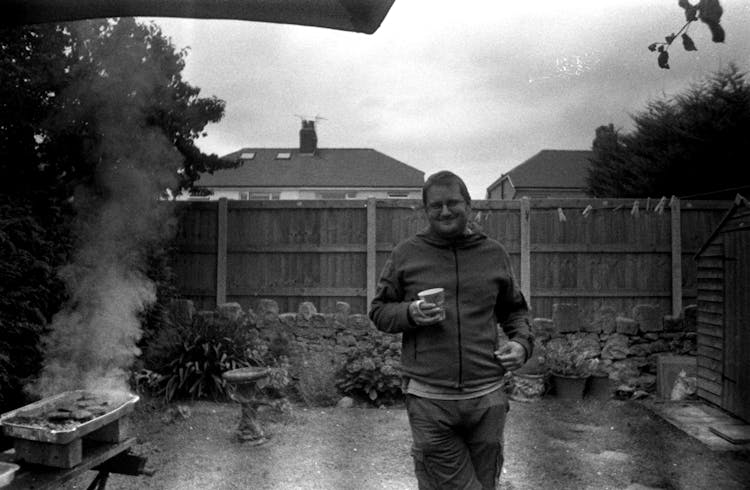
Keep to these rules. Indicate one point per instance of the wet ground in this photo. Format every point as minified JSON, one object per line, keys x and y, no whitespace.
{"x":550,"y":444}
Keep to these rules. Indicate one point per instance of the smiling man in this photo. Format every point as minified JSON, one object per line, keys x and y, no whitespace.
{"x":452,"y":363}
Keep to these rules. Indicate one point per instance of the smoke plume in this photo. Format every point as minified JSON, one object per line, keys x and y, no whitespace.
{"x":93,"y":339}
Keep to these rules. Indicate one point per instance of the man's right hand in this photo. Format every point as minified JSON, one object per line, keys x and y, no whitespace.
{"x":423,"y":313}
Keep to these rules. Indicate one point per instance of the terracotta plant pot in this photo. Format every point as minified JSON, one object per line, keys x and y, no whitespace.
{"x":568,"y":387}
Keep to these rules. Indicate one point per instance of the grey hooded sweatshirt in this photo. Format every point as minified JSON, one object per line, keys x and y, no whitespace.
{"x":480,"y":293}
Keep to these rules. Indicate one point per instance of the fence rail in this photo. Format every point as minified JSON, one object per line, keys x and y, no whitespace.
{"x":616,"y":254}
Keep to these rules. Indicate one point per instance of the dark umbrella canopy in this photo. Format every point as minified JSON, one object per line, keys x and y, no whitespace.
{"x":348,"y":15}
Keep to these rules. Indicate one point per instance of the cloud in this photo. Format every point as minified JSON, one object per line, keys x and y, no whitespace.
{"x":487,"y":82}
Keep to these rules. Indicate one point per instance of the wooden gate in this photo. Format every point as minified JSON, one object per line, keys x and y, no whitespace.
{"x":736,"y":385}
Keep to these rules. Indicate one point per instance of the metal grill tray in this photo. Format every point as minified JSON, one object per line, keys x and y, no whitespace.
{"x":120,"y":403}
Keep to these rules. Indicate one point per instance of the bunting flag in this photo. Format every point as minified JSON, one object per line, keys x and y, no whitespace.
{"x":635,"y":210}
{"x":659,"y":208}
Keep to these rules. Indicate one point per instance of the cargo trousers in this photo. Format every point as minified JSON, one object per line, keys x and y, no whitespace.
{"x":458,"y":444}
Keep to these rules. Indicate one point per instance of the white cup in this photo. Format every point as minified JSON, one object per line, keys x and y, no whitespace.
{"x":435,"y":296}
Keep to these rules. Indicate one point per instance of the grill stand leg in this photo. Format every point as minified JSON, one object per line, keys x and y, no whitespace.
{"x":100,"y":481}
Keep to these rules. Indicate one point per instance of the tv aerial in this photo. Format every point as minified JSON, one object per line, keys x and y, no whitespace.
{"x":308,"y":118}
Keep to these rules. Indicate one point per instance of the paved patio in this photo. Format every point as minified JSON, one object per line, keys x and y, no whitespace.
{"x":702,"y":421}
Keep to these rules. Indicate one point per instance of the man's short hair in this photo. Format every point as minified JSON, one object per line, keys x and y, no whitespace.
{"x":445,"y":177}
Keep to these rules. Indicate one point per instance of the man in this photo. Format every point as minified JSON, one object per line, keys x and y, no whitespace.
{"x":453,"y":367}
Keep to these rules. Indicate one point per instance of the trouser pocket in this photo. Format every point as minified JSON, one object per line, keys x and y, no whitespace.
{"x":424,"y":479}
{"x":487,"y":459}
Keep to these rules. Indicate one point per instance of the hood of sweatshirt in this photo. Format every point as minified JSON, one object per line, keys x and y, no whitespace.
{"x":469,"y":239}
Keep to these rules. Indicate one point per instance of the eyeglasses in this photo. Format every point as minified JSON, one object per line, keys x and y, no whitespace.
{"x":437,"y":207}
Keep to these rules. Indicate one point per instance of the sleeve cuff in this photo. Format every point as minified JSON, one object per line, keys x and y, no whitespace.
{"x":526,"y":346}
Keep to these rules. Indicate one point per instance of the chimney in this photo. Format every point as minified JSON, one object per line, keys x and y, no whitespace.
{"x":308,"y":140}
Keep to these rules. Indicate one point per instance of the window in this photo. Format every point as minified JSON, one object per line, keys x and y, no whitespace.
{"x":398,"y":195}
{"x":331,"y":195}
{"x":247,"y":156}
{"x":259,"y":196}
{"x":283,"y":155}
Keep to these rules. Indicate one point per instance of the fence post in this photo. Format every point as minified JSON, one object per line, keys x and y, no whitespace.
{"x":221,"y":252}
{"x":371,"y":250}
{"x":526,"y":248}
{"x":674,"y":206}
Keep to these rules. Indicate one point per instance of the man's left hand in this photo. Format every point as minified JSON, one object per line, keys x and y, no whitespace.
{"x":511,"y":356}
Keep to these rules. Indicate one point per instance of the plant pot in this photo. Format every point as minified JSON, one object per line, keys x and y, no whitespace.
{"x":528,"y":387}
{"x":598,"y":388}
{"x":568,"y":387}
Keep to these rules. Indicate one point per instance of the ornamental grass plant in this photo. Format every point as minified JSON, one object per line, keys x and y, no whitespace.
{"x":568,"y":358}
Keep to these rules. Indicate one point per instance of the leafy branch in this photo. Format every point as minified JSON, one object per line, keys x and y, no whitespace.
{"x":707,"y":11}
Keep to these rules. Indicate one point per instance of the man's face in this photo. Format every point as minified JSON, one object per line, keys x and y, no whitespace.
{"x":446,"y":210}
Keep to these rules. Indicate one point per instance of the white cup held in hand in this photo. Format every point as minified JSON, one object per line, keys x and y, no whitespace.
{"x":435,"y":296}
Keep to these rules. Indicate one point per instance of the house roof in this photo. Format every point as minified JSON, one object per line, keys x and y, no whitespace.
{"x":740,"y":202}
{"x":332,"y":167}
{"x":550,"y":168}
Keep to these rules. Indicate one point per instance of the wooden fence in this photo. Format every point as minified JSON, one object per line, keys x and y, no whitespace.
{"x":591,"y":252}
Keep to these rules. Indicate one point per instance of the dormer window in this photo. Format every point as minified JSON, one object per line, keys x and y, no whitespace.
{"x":247,"y":156}
{"x":283,"y":155}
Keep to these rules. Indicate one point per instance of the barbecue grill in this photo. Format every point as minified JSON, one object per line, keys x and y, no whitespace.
{"x":55,"y":431}
{"x":63,"y":418}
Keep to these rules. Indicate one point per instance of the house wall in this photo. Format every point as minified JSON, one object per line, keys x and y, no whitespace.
{"x":548,"y":193}
{"x":305,"y":194}
{"x":504,"y":190}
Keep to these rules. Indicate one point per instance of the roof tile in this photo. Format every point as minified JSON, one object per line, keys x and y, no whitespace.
{"x":551,"y":168}
{"x":334,"y":167}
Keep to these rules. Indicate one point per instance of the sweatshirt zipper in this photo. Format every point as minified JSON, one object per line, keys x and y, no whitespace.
{"x":458,"y":322}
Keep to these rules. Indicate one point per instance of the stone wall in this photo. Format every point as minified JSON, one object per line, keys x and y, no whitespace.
{"x":308,"y":331}
{"x":626,"y":346}
{"x":299,"y":333}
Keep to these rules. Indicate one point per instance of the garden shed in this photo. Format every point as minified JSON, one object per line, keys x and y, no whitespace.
{"x":723,"y":283}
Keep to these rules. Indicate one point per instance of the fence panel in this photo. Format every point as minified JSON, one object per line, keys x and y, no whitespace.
{"x":194,"y":263}
{"x":597,"y":259}
{"x":611,"y":256}
{"x":313,"y":252}
{"x":395,"y":221}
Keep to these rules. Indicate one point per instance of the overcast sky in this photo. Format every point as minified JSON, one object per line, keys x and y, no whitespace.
{"x":476,"y":87}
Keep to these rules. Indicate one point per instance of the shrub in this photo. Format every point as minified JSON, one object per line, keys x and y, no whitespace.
{"x":34,"y":241}
{"x":187,"y":362}
{"x":372,"y":372}
{"x":316,"y":383}
{"x":568,"y":358}
{"x":196,"y":370}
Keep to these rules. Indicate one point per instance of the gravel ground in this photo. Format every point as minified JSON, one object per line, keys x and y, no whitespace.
{"x":550,"y":444}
